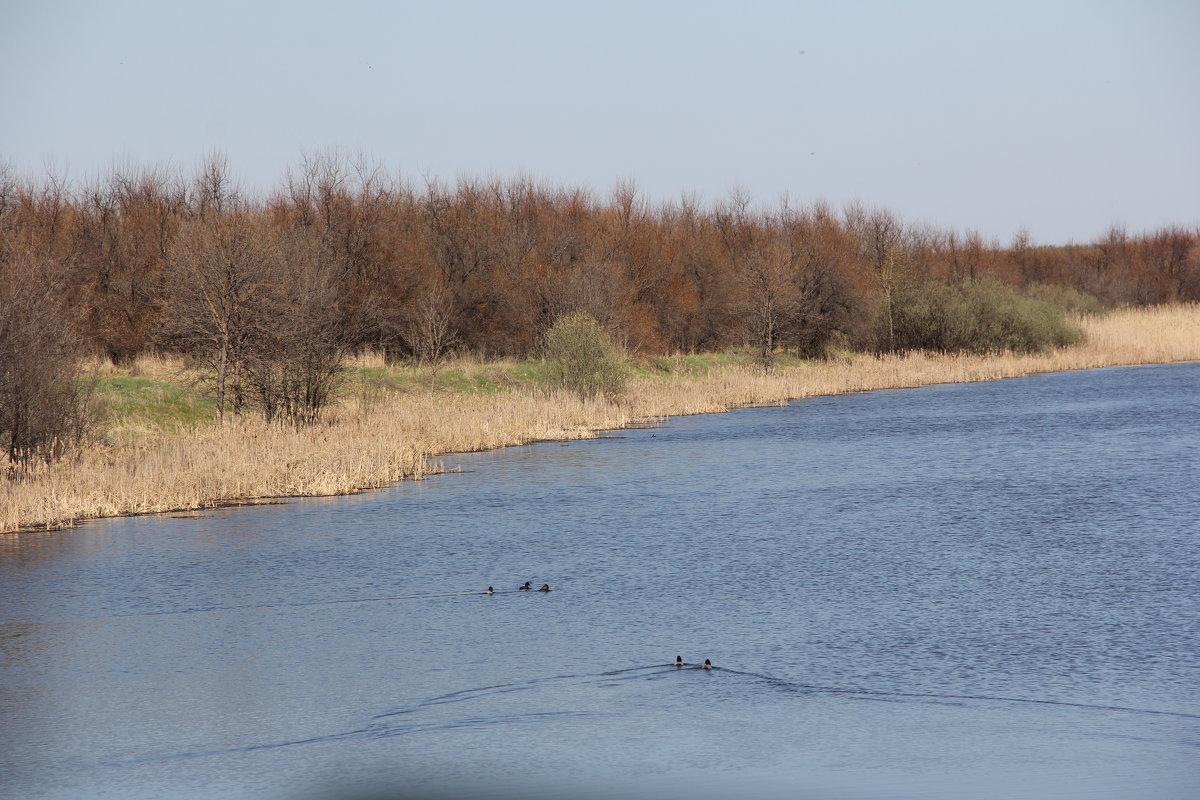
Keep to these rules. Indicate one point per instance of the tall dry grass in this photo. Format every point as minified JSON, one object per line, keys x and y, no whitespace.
{"x":1155,"y":335}
{"x":392,"y":437}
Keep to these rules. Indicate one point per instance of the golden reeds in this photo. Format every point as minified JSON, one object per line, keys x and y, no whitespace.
{"x":362,"y":445}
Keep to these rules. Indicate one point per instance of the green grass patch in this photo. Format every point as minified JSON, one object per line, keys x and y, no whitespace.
{"x":530,"y":373}
{"x":455,"y":379}
{"x":150,"y":403}
{"x":697,"y":365}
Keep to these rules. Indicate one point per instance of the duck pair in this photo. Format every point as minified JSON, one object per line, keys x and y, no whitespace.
{"x":706,"y":665}
{"x":525,"y":588}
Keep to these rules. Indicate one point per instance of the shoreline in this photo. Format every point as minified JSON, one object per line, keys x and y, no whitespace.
{"x":370,"y":444}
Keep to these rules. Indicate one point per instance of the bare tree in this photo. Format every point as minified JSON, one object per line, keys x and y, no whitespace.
{"x":430,"y":332}
{"x":42,"y":404}
{"x":295,"y":361}
{"x":213,"y":191}
{"x":761,"y":259}
{"x":219,"y":283}
{"x":1021,"y":253}
{"x":823,"y":306}
{"x":880,"y":238}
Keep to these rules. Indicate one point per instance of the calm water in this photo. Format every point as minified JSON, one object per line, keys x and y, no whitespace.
{"x":987,"y":590}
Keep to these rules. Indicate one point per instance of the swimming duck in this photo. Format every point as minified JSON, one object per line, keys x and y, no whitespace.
{"x":545,"y":587}
{"x":524,"y":588}
{"x":707,"y":664}
{"x":679,"y":661}
{"x":490,"y":591}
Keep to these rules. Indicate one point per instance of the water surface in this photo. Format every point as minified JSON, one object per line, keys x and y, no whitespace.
{"x":983,"y":590}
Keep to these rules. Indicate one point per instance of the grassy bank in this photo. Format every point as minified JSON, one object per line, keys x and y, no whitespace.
{"x":161,"y":454}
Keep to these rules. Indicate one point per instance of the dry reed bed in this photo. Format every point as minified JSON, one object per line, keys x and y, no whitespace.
{"x":368,"y":445}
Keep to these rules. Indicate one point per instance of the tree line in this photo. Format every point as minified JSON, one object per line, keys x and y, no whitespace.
{"x":267,"y":293}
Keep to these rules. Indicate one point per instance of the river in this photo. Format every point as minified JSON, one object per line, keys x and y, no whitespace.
{"x":972,"y":590}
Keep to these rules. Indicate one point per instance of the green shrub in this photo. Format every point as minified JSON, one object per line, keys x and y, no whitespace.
{"x":582,"y":358}
{"x":978,"y":316}
{"x":1070,"y":300}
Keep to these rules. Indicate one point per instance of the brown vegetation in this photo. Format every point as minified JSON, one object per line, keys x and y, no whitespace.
{"x":485,"y":266}
{"x":41,"y":400}
{"x":265,"y":297}
{"x":371,"y":441}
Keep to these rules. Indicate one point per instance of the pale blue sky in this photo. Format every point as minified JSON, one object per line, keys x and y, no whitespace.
{"x":1063,"y":117}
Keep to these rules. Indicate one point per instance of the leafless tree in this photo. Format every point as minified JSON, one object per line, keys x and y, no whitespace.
{"x":213,"y":191}
{"x":880,"y":237}
{"x":220,"y":281}
{"x":762,"y":261}
{"x":295,"y":362}
{"x":823,"y":306}
{"x":42,"y":403}
{"x":430,"y":332}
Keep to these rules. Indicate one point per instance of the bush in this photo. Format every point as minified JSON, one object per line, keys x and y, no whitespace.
{"x":1070,"y":300}
{"x":582,"y":357}
{"x":978,"y":316}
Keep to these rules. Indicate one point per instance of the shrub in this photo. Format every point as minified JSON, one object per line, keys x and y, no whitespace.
{"x":1070,"y":300}
{"x":582,"y":357}
{"x":978,"y":316}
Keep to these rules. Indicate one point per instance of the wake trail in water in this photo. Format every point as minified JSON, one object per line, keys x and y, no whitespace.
{"x":399,"y":721}
{"x":657,"y":671}
{"x":378,"y":727}
{"x":373,"y":731}
{"x":856,"y":691}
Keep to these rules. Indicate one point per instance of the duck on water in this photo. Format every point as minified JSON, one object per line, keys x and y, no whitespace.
{"x":706,"y":665}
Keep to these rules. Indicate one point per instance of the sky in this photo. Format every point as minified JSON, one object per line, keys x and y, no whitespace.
{"x":1062,"y":118}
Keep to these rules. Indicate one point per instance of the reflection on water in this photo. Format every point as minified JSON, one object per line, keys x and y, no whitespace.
{"x":982,"y":590}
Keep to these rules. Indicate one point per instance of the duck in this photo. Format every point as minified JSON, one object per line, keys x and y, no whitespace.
{"x":490,"y":591}
{"x":524,"y":588}
{"x":545,"y":587}
{"x":707,"y":664}
{"x":679,"y":661}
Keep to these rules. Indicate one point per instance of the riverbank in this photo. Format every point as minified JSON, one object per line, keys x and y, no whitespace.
{"x":374,"y":438}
